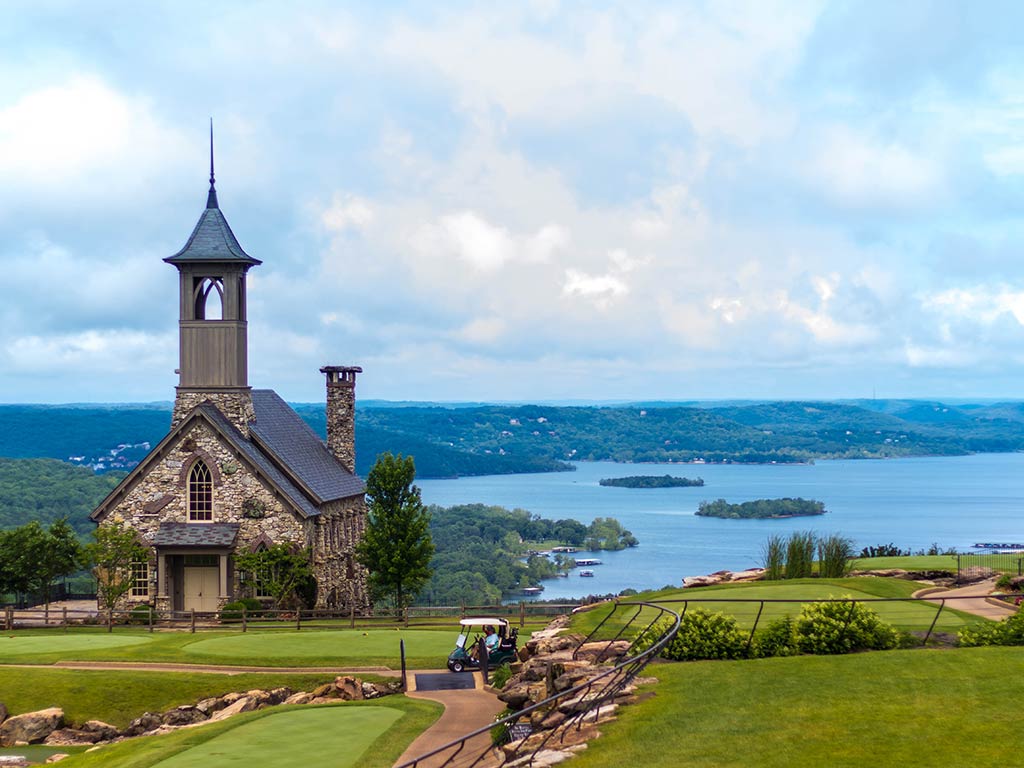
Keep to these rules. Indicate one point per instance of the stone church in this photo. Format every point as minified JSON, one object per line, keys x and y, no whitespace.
{"x":239,"y":469}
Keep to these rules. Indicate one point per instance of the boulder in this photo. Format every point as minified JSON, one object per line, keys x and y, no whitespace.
{"x":211,"y":705}
{"x":103,"y":731}
{"x":302,"y":697}
{"x":325,"y":691}
{"x":603,"y":651}
{"x":3,"y":712}
{"x":56,"y":757}
{"x":147,"y":721}
{"x":13,"y":761}
{"x":244,"y":704}
{"x":185,"y":715}
{"x":31,"y":727}
{"x":278,"y":695}
{"x":71,"y":737}
{"x":348,"y":688}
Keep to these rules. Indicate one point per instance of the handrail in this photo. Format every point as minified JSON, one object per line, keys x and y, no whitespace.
{"x":592,"y":695}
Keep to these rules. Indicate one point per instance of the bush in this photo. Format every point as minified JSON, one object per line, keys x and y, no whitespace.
{"x":141,"y":614}
{"x":842,"y":626}
{"x":800,"y":555}
{"x":834,"y":553}
{"x":1009,"y":631}
{"x":233,"y":611}
{"x":774,"y":551}
{"x":779,"y":638}
{"x":501,"y":675}
{"x":706,"y":635}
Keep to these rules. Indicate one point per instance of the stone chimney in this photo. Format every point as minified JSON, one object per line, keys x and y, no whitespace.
{"x":341,"y":413}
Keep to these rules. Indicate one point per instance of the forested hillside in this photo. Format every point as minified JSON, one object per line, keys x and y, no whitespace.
{"x":47,"y":490}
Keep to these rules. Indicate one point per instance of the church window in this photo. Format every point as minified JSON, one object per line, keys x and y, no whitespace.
{"x":140,"y":578}
{"x":200,"y":492}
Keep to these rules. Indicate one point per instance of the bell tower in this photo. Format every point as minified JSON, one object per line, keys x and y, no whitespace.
{"x":213,"y":335}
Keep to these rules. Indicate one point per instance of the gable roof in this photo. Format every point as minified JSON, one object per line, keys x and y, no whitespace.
{"x":219,"y":535}
{"x":281,"y":432}
{"x":212,"y":240}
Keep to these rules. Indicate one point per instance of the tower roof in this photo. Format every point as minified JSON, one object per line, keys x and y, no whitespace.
{"x":212,"y":238}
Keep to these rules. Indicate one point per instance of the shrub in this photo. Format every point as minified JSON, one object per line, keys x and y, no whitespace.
{"x":233,"y":611}
{"x":834,"y":553}
{"x":884,"y":550}
{"x":842,"y":626}
{"x":706,"y":635}
{"x":141,"y":614}
{"x":800,"y":555}
{"x":501,"y":675}
{"x":779,"y":638}
{"x":1009,"y":631}
{"x":774,"y":551}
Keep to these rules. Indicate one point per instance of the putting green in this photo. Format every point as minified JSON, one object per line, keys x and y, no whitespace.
{"x":368,"y":644}
{"x":326,"y":737}
{"x":34,"y":645}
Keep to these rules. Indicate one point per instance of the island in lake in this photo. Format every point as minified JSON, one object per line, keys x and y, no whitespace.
{"x":761,"y":509}
{"x":652,"y":481}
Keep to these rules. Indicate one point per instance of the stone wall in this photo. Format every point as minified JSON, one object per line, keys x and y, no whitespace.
{"x":341,"y":580}
{"x":235,"y":405}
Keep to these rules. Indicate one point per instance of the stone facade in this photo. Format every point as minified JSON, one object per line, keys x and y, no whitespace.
{"x":235,"y":404}
{"x":341,"y":580}
{"x":341,"y":414}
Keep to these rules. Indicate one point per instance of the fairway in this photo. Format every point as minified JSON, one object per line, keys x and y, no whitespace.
{"x":32,"y":645}
{"x":339,"y":646}
{"x":325,"y":737}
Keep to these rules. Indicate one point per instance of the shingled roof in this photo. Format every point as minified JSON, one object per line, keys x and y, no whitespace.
{"x":212,"y":240}
{"x":219,"y":535}
{"x":281,"y":432}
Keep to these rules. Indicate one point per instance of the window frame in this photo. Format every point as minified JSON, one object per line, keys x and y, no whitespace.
{"x":200,"y":493}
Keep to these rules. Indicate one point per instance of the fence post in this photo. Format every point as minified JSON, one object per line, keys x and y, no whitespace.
{"x":522,"y":614}
{"x":406,"y":612}
{"x":934,"y":621}
{"x":193,"y":621}
{"x":401,"y":652}
{"x":8,"y":619}
{"x":46,"y":614}
{"x":485,"y":658}
{"x":244,"y":623}
{"x":298,"y":619}
{"x":958,"y":569}
{"x":352,"y":614}
{"x":110,"y":619}
{"x":64,"y":618}
{"x":753,"y":629}
{"x":152,"y":617}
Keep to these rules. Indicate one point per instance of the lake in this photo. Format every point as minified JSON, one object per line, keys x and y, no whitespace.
{"x":951,"y":501}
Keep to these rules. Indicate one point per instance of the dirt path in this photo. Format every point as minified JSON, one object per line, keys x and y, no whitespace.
{"x":464,"y":711}
{"x":212,"y":669}
{"x":973,"y":599}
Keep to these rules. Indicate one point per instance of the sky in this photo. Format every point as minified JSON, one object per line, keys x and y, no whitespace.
{"x":522,"y":201}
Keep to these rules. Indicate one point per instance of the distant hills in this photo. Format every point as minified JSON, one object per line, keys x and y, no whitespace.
{"x":450,"y":440}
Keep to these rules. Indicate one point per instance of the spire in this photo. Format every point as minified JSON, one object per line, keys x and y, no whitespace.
{"x":211,"y":198}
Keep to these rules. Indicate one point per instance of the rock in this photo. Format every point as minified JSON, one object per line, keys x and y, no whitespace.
{"x":603,"y":651}
{"x":325,"y":691}
{"x":3,"y":712}
{"x":230,"y":698}
{"x":348,"y":688}
{"x":553,"y":720}
{"x":244,"y":704}
{"x":185,"y":715}
{"x":13,"y":761}
{"x":701,"y":581}
{"x":211,"y":705}
{"x":31,"y":727}
{"x":56,"y":757}
{"x":148,"y":721}
{"x":71,"y":737}
{"x":302,"y":697}
{"x":278,"y":695}
{"x":105,"y":730}
{"x":261,"y":699}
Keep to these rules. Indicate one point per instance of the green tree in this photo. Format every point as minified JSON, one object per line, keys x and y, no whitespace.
{"x":114,"y":549}
{"x":58,"y":554}
{"x":279,"y":570}
{"x":396,"y":547}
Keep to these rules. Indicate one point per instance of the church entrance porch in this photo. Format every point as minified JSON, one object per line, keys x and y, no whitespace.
{"x":194,"y":566}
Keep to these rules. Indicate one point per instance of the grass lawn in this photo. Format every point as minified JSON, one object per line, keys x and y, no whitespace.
{"x":898,"y":708}
{"x":425,"y":649}
{"x":117,"y":697}
{"x":743,"y":601}
{"x":368,"y":734}
{"x":908,"y":563}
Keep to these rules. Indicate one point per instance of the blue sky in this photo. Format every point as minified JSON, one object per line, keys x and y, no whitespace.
{"x":536,"y":200}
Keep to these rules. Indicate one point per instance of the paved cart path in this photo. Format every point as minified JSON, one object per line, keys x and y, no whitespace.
{"x":979,"y":606}
{"x":464,"y":712}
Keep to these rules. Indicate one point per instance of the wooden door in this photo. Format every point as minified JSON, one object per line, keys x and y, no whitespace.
{"x":202,"y":589}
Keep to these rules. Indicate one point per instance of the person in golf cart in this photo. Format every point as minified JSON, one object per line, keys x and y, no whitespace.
{"x":500,"y":643}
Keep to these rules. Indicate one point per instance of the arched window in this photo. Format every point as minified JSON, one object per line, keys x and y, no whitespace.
{"x":200,"y":492}
{"x":209,"y":298}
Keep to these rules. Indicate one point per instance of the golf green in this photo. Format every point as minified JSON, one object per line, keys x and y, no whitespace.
{"x":373,"y":643}
{"x":29,"y":645}
{"x":325,"y":737}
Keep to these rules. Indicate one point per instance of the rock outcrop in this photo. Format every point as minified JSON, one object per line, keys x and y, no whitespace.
{"x":31,"y":727}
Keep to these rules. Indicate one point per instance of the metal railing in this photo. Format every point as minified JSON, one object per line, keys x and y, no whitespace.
{"x":649,"y":628}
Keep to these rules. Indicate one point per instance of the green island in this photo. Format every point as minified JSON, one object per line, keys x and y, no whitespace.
{"x":761,"y":509}
{"x":651,"y":481}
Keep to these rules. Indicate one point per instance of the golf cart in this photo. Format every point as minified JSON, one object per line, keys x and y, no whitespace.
{"x":465,"y":654}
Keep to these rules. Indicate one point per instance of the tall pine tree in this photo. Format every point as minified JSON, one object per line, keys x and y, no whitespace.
{"x":396,"y":548}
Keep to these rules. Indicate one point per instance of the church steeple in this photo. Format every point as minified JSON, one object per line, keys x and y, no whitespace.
{"x":213,"y":345}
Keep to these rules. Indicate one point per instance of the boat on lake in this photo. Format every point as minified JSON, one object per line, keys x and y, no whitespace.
{"x":587,"y":561}
{"x":990,"y":545}
{"x":586,"y":573}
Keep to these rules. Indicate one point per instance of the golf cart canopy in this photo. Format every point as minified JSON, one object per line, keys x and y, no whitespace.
{"x":482,"y":620}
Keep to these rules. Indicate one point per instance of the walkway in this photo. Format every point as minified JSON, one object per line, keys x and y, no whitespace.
{"x":979,"y":606}
{"x":464,"y":711}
